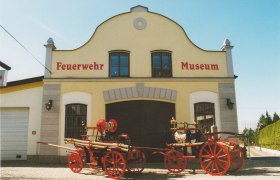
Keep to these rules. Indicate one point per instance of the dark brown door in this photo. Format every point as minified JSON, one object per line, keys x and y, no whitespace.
{"x":146,"y":122}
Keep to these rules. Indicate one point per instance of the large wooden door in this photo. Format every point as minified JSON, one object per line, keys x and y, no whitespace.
{"x":146,"y":122}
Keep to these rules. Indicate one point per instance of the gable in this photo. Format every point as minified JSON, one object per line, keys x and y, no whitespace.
{"x":121,"y":33}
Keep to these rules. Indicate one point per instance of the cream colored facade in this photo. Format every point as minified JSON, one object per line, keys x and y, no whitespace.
{"x":82,"y":75}
{"x":25,"y":97}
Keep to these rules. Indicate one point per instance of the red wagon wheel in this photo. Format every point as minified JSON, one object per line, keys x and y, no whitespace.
{"x":174,"y":161}
{"x":137,"y":165}
{"x":237,"y":157}
{"x":214,"y":158}
{"x":81,"y":153}
{"x":75,"y":162}
{"x":114,"y":164}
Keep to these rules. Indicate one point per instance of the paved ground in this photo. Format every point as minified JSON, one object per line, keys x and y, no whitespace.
{"x":256,"y":151}
{"x":260,"y":165}
{"x":256,"y":168}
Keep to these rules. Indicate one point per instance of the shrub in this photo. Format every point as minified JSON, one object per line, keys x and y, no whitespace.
{"x":270,"y":136}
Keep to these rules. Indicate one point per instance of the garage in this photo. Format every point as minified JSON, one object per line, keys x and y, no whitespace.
{"x":14,"y":128}
{"x":146,"y":122}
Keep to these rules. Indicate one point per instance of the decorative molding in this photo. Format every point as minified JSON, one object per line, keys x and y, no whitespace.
{"x":139,"y":8}
{"x":206,"y":96}
{"x":140,"y":23}
{"x":48,"y":60}
{"x":139,"y":91}
{"x":227,"y":47}
{"x":70,"y":98}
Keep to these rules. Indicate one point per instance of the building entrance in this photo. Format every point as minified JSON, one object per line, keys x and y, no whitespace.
{"x":146,"y":122}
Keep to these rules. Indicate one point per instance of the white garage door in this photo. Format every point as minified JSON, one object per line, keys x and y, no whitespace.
{"x":14,"y":125}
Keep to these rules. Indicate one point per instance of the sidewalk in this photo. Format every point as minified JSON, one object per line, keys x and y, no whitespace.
{"x":256,"y":151}
{"x":254,"y":169}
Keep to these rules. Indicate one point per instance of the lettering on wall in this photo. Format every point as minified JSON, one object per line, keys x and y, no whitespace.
{"x":189,"y":66}
{"x":73,"y":67}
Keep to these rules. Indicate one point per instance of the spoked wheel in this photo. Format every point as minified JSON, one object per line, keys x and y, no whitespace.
{"x":75,"y":162}
{"x":114,"y":164}
{"x":81,"y":153}
{"x":237,"y":157}
{"x":136,"y":166}
{"x":174,"y":161}
{"x":214,"y":158}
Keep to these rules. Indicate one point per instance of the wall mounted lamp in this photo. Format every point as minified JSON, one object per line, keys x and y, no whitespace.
{"x":230,"y":104}
{"x":49,"y":105}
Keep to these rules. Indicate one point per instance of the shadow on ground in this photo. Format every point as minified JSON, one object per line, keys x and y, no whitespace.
{"x":257,"y":166}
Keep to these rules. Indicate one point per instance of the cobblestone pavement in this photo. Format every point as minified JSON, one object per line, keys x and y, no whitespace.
{"x":256,"y":168}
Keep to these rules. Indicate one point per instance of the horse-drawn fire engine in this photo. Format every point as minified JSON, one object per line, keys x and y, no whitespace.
{"x":216,"y":155}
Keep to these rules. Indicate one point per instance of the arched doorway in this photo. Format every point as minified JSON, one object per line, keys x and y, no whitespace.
{"x":146,"y":122}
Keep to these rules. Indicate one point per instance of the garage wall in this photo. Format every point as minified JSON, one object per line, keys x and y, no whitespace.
{"x":30,"y":99}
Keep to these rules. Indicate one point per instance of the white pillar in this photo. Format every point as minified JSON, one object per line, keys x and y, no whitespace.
{"x":227,"y":47}
{"x":48,"y":61}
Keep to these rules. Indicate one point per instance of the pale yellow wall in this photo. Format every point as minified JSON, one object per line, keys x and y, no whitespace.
{"x":118,"y":33}
{"x":184,"y":89}
{"x":31,"y":98}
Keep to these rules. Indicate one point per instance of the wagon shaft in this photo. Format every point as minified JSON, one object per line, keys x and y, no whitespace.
{"x":185,"y":144}
{"x":98,"y":145}
{"x":55,"y":145}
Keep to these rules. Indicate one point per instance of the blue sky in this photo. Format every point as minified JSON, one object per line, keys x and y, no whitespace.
{"x":252,"y":26}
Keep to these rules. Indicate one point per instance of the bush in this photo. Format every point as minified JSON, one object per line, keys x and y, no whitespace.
{"x":270,"y":136}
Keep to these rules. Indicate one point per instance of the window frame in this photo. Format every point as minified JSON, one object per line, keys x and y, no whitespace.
{"x":205,"y":113}
{"x":161,"y":52}
{"x":119,"y":52}
{"x":72,"y":130}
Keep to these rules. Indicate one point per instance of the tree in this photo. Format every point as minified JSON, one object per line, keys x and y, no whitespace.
{"x":275,"y":117}
{"x":264,"y":120}
{"x":248,"y":136}
{"x":268,"y":118}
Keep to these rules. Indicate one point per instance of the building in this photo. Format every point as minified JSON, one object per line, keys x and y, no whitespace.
{"x":20,"y":114}
{"x":141,"y":69}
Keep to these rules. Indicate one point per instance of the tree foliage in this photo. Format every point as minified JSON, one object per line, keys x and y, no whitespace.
{"x":266,"y":120}
{"x":275,"y":117}
{"x":248,"y":136}
{"x":253,"y":136}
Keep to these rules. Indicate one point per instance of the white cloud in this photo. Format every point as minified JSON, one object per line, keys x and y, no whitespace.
{"x":48,"y":29}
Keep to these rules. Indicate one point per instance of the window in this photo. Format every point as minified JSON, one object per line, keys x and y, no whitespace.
{"x":75,"y":120}
{"x":161,"y":64}
{"x":204,"y":115}
{"x":119,"y":64}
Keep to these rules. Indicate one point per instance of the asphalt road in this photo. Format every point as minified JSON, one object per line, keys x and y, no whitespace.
{"x":254,"y":168}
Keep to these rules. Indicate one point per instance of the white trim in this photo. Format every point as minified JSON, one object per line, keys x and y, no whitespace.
{"x":69,"y":98}
{"x":206,"y":96}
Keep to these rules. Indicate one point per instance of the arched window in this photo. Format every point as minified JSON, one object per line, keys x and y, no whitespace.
{"x":75,"y":120}
{"x":204,"y":115}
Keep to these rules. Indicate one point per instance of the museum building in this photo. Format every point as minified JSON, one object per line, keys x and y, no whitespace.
{"x":141,"y":69}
